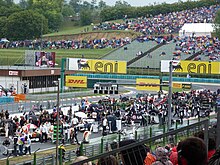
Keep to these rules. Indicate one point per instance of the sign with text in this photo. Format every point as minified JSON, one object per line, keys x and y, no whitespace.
{"x":148,"y":84}
{"x":76,"y":81}
{"x":177,"y":85}
{"x":99,"y":66}
{"x":199,"y":67}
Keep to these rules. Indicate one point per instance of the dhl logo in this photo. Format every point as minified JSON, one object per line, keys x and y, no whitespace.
{"x":76,"y":81}
{"x":72,"y":81}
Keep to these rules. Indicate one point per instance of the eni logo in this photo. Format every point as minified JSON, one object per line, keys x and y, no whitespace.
{"x":200,"y":68}
{"x":72,"y":81}
{"x":110,"y":67}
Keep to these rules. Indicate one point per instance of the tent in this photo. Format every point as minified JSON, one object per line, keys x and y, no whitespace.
{"x":199,"y":29}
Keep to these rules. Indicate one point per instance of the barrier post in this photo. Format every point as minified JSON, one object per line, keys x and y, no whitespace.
{"x":102,"y":145}
{"x":81,"y":149}
{"x":164,"y":131}
{"x":7,"y":161}
{"x":119,"y":137}
{"x":61,"y":156}
{"x":188,"y":129}
{"x":35,"y":156}
{"x":150,"y":135}
{"x":136,"y":135}
{"x":176,"y":137}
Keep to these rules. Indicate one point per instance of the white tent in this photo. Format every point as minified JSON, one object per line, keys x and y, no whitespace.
{"x":199,"y":29}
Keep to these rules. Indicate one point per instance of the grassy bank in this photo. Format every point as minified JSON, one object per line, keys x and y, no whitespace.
{"x":13,"y":56}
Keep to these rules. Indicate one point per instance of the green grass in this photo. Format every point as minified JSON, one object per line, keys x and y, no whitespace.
{"x":69,"y":27}
{"x":174,"y":89}
{"x":12,"y":56}
{"x":70,"y":30}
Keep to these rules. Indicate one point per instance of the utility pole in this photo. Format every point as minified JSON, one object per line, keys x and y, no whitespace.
{"x":58,"y":122}
{"x":218,"y":127}
{"x":41,"y":35}
{"x":170,"y":95}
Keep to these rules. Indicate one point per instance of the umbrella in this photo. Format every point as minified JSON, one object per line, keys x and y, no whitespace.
{"x":81,"y":114}
{"x":30,"y":126}
{"x":4,"y":40}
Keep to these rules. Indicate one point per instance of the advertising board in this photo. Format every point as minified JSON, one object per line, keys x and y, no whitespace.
{"x":45,"y":59}
{"x":148,"y":84}
{"x":76,"y":81}
{"x":199,"y":67}
{"x":99,"y":66}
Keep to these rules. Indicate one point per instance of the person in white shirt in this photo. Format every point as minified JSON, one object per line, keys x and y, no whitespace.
{"x":44,"y":132}
{"x":104,"y":125}
{"x":74,"y":121}
{"x":27,"y":145}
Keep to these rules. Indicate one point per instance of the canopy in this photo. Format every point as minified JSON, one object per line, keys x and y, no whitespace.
{"x":199,"y":29}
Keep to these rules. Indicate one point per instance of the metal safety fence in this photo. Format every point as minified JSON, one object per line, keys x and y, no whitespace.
{"x":149,"y":136}
{"x":133,"y":153}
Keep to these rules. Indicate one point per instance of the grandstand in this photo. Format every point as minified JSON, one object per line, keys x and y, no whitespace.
{"x":206,"y":58}
{"x":130,"y":53}
{"x":154,"y":62}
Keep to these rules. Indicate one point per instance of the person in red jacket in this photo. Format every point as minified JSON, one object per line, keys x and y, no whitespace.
{"x":174,"y":156}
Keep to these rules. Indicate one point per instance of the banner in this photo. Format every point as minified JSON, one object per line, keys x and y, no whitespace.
{"x":76,"y":81}
{"x":148,"y":84}
{"x":177,"y":85}
{"x":199,"y":67}
{"x":99,"y":66}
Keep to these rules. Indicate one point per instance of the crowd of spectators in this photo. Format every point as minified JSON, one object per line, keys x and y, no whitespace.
{"x":163,"y":23}
{"x":208,"y":46}
{"x":190,"y":151}
{"x":145,"y":109}
{"x":69,"y":44}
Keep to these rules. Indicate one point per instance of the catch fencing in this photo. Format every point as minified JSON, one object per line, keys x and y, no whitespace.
{"x":104,"y":147}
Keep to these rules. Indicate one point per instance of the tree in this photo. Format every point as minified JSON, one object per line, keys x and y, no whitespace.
{"x":86,"y":5}
{"x":68,"y":11}
{"x":217,"y":24}
{"x":54,"y":20}
{"x":25,"y":25}
{"x":93,"y":4}
{"x":102,"y":4}
{"x":23,"y":4}
{"x":120,"y":3}
{"x":3,"y":22}
{"x":85,"y":17}
{"x":76,"y":4}
{"x":47,"y":5}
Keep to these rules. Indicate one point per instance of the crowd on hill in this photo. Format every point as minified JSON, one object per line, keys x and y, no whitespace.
{"x":208,"y":46}
{"x":163,"y":23}
{"x":69,"y":44}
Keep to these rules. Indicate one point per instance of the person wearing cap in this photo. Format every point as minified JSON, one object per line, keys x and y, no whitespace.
{"x":162,"y":157}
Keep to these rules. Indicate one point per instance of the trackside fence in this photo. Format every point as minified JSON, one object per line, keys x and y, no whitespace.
{"x":164,"y":138}
{"x":104,"y":147}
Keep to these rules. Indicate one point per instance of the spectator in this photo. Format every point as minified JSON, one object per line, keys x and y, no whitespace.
{"x":215,"y":159}
{"x":162,"y":157}
{"x":7,"y":114}
{"x":27,"y":144}
{"x":108,"y":160}
{"x":81,"y":158}
{"x":192,"y":151}
{"x":20,"y":144}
